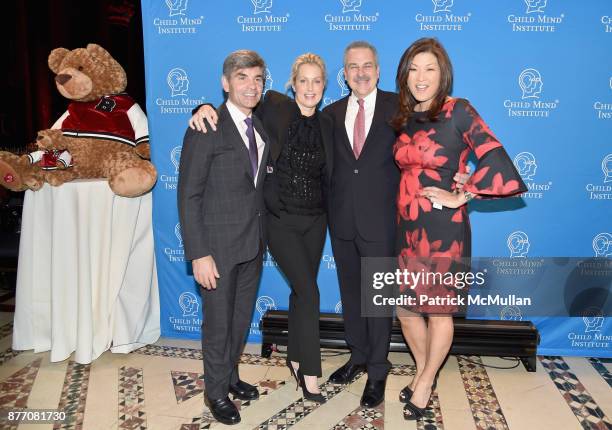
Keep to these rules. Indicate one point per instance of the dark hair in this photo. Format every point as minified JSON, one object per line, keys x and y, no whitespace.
{"x":407,"y":102}
{"x":242,"y":59}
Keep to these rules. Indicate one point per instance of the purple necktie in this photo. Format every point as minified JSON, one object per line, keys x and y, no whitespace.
{"x":253,"y":155}
{"x":359,"y":130}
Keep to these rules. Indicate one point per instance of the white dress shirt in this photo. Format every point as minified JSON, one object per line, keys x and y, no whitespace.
{"x":369,"y":102}
{"x":238,"y":116}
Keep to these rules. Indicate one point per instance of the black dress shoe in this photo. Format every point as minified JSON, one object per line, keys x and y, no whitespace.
{"x":223,"y":410}
{"x":243,"y":391}
{"x":346,"y":373}
{"x":374,"y":393}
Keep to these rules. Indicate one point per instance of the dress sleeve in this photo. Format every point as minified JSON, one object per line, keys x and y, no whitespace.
{"x":495,"y":174}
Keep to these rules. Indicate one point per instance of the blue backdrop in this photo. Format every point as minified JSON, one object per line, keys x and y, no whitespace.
{"x":538,"y":71}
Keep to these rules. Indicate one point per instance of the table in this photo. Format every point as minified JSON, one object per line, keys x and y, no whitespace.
{"x":86,"y":277}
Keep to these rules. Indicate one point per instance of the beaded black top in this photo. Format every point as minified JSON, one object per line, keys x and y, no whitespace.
{"x":300,"y":168}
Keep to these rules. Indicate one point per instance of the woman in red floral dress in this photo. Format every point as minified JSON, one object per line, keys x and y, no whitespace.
{"x":437,"y":133}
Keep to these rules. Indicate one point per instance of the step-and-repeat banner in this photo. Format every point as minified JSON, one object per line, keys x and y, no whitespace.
{"x":538,"y":71}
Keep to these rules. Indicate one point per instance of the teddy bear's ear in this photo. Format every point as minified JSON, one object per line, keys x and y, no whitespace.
{"x":98,"y":52}
{"x":55,"y":59}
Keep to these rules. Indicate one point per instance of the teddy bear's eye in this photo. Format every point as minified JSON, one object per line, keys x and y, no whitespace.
{"x":80,"y":68}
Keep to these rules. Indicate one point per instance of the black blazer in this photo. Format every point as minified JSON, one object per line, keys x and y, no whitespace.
{"x":277,"y":112}
{"x":221,"y":210}
{"x":364,"y":191}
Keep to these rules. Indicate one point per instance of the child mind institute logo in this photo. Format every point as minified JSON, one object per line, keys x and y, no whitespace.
{"x":177,"y":7}
{"x":535,"y":6}
{"x":442,"y":5}
{"x":176,"y":255}
{"x":268,"y":259}
{"x":604,"y":191}
{"x":268,"y":82}
{"x":442,"y":18}
{"x":531,"y":104}
{"x":190,"y":321}
{"x":177,"y":21}
{"x":263,"y":304}
{"x":262,"y":19}
{"x":525,"y":163}
{"x":603,"y":109}
{"x":179,"y":101}
{"x":170,"y":181}
{"x":518,"y":244}
{"x":531,"y":84}
{"x":534,"y":19}
{"x":592,"y":337}
{"x":338,"y":307}
{"x":262,"y":6}
{"x":351,"y":18}
{"x":602,"y":245}
{"x":178,"y":82}
{"x":189,"y":304}
{"x":350,"y":6}
{"x":606,"y":20}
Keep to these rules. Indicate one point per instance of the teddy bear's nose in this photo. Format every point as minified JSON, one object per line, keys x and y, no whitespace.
{"x":62,"y":79}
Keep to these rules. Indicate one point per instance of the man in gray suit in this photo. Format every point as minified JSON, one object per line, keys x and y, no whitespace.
{"x":221,"y":209}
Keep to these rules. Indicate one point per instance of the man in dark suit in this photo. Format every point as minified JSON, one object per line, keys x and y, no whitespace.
{"x":362,"y":210}
{"x":221,"y":209}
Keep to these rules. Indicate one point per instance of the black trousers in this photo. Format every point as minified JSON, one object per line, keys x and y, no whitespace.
{"x":296,"y":243}
{"x":367,"y":337}
{"x":227,"y":316}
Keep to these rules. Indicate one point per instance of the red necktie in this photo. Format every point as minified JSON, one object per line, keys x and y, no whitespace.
{"x":359,"y":130}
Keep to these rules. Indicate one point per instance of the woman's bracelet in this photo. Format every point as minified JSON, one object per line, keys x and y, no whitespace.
{"x":467,"y":196}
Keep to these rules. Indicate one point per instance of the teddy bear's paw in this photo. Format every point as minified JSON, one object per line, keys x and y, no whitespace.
{"x":54,"y":181}
{"x":132,"y":182}
{"x":49,"y":139}
{"x":10,"y":178}
{"x":34,"y":182}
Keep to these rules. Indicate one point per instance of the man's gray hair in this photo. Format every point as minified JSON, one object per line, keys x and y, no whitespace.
{"x":242,"y":59}
{"x":360,"y":44}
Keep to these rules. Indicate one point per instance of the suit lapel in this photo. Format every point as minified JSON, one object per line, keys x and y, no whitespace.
{"x":342,"y":108}
{"x":377,"y":120}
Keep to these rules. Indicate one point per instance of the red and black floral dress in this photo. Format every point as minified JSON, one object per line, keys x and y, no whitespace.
{"x":429,"y":153}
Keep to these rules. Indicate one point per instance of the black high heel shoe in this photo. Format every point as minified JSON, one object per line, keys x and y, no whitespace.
{"x":412,"y":411}
{"x":315,"y":397}
{"x":294,"y":374}
{"x":406,"y":392}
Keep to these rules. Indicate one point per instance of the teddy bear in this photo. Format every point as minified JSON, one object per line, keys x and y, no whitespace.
{"x":103,"y":134}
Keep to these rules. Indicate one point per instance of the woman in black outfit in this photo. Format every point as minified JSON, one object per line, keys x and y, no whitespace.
{"x":298,"y":174}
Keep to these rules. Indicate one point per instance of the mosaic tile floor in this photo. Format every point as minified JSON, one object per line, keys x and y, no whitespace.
{"x":161,"y":387}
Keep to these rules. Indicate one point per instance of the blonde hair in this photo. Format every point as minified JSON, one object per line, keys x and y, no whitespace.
{"x":307,"y":58}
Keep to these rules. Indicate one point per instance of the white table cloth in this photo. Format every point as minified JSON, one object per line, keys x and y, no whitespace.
{"x":86,"y":278}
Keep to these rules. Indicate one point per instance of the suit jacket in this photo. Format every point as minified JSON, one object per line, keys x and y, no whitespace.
{"x":364,"y":191}
{"x":220,"y":209}
{"x":277,"y":112}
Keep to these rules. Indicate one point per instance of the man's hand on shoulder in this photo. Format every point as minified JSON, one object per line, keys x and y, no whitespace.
{"x":205,"y":272}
